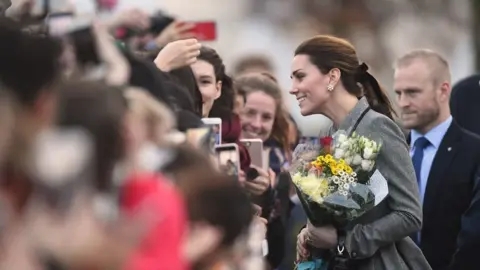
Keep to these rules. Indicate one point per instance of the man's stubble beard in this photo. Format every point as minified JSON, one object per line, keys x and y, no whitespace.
{"x":428,"y":117}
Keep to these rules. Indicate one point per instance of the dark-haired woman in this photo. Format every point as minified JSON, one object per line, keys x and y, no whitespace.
{"x":218,"y":97}
{"x":328,"y":80}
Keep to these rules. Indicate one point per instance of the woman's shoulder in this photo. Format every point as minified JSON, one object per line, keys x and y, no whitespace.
{"x":380,"y":128}
{"x":377,"y":122}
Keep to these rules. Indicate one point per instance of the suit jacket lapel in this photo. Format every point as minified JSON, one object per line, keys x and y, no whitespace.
{"x":446,"y":152}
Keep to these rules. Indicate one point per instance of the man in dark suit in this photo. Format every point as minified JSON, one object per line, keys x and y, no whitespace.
{"x":446,"y":159}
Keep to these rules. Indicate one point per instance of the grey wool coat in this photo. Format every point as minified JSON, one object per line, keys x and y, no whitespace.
{"x":380,"y":238}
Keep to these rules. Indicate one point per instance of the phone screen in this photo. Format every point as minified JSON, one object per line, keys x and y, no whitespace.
{"x":228,"y":160}
{"x":216,"y":125}
{"x":205,"y":31}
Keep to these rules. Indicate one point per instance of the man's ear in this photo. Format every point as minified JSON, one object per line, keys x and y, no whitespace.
{"x":445,"y":91}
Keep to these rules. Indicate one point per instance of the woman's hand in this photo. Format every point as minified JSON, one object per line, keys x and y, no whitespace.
{"x":302,"y":250}
{"x":175,"y":31}
{"x":259,"y":185}
{"x":321,"y":237}
{"x":178,"y":54}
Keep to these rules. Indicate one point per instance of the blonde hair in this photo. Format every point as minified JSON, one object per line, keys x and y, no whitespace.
{"x":159,"y":118}
{"x":438,"y":65}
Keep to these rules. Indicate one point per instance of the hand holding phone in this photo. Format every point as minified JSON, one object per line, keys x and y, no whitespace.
{"x":175,"y":30}
{"x":204,"y":30}
{"x":261,"y":183}
{"x":178,"y":54}
{"x":255,"y":149}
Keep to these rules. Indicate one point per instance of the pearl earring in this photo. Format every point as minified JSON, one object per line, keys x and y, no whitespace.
{"x":330,"y":88}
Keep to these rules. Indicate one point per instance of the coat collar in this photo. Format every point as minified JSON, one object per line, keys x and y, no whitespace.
{"x":354,"y":116}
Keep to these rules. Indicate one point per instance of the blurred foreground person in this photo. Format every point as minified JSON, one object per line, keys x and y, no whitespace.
{"x":141,"y":192}
{"x":32,"y":88}
{"x":219,"y":235}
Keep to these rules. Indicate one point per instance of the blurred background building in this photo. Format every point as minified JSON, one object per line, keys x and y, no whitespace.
{"x":380,"y":29}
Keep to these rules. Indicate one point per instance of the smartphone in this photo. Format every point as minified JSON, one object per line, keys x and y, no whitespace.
{"x":216,"y":125}
{"x":255,"y":149}
{"x":205,"y":30}
{"x":228,"y":159}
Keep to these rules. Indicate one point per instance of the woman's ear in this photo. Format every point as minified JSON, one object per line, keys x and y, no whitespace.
{"x":334,"y":76}
{"x":218,"y":86}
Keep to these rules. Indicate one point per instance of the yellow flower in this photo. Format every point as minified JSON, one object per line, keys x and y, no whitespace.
{"x":297,"y":178}
{"x":340,"y":167}
{"x":329,"y":158}
{"x":348,"y":169}
{"x":315,"y":188}
{"x":334,"y":170}
{"x":341,"y":161}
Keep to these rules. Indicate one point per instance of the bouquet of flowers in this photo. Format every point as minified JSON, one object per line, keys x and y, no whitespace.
{"x":337,"y":181}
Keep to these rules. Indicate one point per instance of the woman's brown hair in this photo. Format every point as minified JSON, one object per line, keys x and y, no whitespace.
{"x":328,"y":52}
{"x":254,"y":82}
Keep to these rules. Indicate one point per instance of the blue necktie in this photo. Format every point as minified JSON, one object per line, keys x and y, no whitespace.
{"x":417,"y":158}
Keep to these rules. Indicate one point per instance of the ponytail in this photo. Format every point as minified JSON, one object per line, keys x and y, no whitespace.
{"x":375,"y":94}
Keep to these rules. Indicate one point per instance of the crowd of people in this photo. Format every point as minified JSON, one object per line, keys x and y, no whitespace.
{"x":108,"y":160}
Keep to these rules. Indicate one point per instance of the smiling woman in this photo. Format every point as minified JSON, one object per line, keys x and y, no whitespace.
{"x":263,"y":116}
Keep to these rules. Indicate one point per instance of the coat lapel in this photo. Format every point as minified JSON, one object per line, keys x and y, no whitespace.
{"x":446,"y":152}
{"x":354,"y":116}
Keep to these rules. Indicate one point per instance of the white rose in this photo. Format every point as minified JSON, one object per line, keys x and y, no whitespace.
{"x":368,"y":153}
{"x":339,"y":153}
{"x":344,"y":145}
{"x":341,"y":138}
{"x":348,"y":160}
{"x":357,"y":160}
{"x":367,"y":165}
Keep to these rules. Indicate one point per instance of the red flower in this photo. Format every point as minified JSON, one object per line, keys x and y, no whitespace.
{"x":326,"y":141}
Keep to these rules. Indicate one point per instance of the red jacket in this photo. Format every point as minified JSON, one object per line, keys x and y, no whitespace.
{"x":161,"y":247}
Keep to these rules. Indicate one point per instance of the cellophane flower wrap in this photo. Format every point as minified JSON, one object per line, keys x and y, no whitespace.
{"x":337,"y":181}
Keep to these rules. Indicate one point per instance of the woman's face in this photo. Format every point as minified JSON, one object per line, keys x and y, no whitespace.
{"x":207,"y":83}
{"x":309,"y":85}
{"x":258,"y":116}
